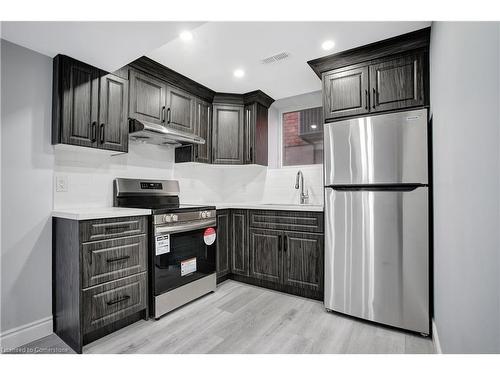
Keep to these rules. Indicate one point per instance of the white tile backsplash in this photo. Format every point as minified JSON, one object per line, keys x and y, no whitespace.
{"x":90,"y":174}
{"x":90,"y":178}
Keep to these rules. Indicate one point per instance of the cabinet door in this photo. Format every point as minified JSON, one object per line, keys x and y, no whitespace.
{"x":80,"y":104}
{"x":250,"y":122}
{"x":227,"y":135}
{"x":180,"y":110}
{"x":303,"y":256}
{"x":147,"y":98}
{"x":203,"y":128}
{"x":113,"y":122}
{"x":398,"y":83}
{"x":345,"y":92}
{"x":239,"y":242}
{"x":265,"y":254}
{"x":223,"y":243}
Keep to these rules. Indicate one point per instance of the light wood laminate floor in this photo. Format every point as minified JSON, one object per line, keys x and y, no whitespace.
{"x":240,"y":318}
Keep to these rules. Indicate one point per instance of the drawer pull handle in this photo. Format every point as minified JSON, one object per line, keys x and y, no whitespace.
{"x":118,"y":259}
{"x":118,"y":300}
{"x":117,"y":228}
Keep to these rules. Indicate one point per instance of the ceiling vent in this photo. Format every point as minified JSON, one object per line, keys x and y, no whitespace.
{"x":275,"y":58}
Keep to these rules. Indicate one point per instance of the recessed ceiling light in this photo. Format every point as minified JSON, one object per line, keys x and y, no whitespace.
{"x":238,"y":73}
{"x":314,"y":126}
{"x":186,"y":36}
{"x":328,"y":45}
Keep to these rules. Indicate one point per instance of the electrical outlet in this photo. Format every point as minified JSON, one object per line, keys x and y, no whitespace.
{"x":61,"y":184}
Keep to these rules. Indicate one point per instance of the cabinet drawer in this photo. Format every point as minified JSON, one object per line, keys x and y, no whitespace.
{"x":103,"y":229}
{"x":112,"y":301}
{"x":108,"y":260}
{"x":301,"y":221}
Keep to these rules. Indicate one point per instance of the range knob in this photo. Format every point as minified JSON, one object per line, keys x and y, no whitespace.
{"x":167,"y":218}
{"x":209,"y":214}
{"x":175,"y":217}
{"x":204,"y":214}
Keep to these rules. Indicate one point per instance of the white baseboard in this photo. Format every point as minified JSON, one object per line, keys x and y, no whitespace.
{"x":25,"y":334}
{"x":435,"y":338}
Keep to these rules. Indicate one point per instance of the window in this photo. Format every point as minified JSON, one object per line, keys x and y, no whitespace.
{"x":302,"y":137}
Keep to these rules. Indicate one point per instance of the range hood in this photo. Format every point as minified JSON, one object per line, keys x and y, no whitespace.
{"x":149,"y":132}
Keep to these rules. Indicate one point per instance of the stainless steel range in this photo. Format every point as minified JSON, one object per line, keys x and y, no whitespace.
{"x":182,"y":246}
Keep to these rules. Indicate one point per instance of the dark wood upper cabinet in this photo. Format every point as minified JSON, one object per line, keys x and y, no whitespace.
{"x":397,"y":83}
{"x":345,"y":92}
{"x":239,"y":242}
{"x":387,"y":75}
{"x":203,"y":128}
{"x":255,"y":151}
{"x":75,"y":102}
{"x":113,"y":111}
{"x":89,"y":106}
{"x":265,"y":254}
{"x":250,"y":122}
{"x":180,"y":110}
{"x":303,"y":260}
{"x":227,"y":134}
{"x":147,"y":98}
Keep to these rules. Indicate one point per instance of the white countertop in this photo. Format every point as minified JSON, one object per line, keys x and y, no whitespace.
{"x":269,"y":206}
{"x":89,"y":213}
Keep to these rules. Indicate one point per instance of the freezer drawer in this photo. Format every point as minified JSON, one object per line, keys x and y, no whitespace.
{"x":377,"y":256}
{"x":382,"y":149}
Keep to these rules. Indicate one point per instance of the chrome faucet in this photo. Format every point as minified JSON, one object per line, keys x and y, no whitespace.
{"x":299,"y":182}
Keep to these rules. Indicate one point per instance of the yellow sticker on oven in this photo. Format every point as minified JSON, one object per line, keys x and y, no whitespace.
{"x":188,"y":266}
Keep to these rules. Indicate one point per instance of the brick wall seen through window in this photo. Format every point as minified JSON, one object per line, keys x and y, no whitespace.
{"x":303,"y":137}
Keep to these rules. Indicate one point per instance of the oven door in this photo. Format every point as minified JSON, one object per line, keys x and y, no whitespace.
{"x":182,"y":254}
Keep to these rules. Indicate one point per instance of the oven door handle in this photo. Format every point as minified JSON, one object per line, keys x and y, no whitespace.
{"x":166,"y":229}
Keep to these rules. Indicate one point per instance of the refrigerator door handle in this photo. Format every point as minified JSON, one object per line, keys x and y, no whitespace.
{"x":408,"y":187}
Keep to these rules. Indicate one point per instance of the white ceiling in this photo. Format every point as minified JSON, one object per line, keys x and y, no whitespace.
{"x":217,"y":49}
{"x":106,"y":45}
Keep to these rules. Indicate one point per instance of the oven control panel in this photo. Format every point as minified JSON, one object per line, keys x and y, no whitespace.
{"x":182,"y":217}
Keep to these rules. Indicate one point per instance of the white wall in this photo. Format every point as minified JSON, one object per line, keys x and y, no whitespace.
{"x":465,"y":67}
{"x":27,"y":170}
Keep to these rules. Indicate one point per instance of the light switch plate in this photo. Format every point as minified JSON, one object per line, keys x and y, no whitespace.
{"x":61,"y":184}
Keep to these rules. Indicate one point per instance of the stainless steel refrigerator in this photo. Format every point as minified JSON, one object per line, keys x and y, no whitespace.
{"x":377,"y":219}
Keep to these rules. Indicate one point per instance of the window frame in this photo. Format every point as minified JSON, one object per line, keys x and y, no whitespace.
{"x":280,"y":139}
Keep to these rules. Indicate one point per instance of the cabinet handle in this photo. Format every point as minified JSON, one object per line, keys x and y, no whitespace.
{"x":162,"y":115}
{"x":366,"y":99}
{"x":280,"y":242}
{"x":118,"y":300}
{"x":197,"y":152}
{"x":168,"y":115}
{"x":93,"y":131}
{"x":117,"y":259}
{"x":251,"y":154}
{"x":285,"y":245}
{"x":117,"y":228}
{"x":374,"y":97}
{"x":101,"y":133}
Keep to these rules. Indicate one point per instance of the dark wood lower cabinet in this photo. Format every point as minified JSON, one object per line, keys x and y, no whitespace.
{"x":290,"y":261}
{"x":303,"y":260}
{"x":265,"y":254}
{"x":99,"y":277}
{"x":239,"y":242}
{"x":223,"y":262}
